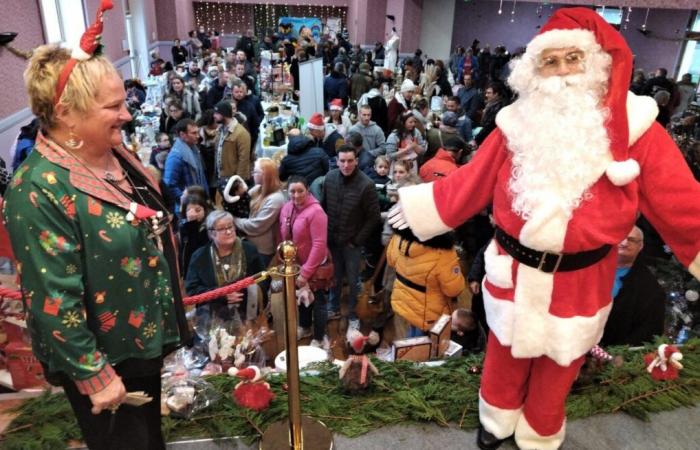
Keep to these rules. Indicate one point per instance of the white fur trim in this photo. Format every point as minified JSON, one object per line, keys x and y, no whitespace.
{"x":558,"y":38}
{"x":529,"y":439}
{"x":420,"y":211}
{"x":641,"y":114}
{"x":694,"y":267}
{"x":335,"y":108}
{"x":527,"y":326}
{"x":622,"y":172}
{"x":546,"y":228}
{"x":79,"y":54}
{"x":497,"y":421}
{"x":315,"y":127}
{"x":233,"y":198}
{"x":499,"y":268}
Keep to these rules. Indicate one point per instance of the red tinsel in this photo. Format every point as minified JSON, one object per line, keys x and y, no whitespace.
{"x":255,"y":396}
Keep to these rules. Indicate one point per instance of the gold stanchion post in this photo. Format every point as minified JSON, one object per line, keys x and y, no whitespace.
{"x":298,"y":432}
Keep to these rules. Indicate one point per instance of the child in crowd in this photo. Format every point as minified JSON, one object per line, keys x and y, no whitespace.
{"x":428,"y":276}
{"x":467,"y":332}
{"x":380,"y":176}
{"x":193,"y":230}
{"x":236,"y":197}
{"x":160,"y":152}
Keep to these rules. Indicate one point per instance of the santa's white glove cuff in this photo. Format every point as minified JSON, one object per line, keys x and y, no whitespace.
{"x":396,"y":218}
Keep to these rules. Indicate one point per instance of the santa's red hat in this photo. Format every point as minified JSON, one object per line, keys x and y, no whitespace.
{"x":316,"y":122}
{"x":89,"y":43}
{"x":336,"y":105}
{"x":584,"y":28}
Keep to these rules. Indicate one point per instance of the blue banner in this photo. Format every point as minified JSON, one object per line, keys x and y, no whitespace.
{"x":290,"y":27}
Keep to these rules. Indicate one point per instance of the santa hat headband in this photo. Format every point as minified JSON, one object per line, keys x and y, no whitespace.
{"x":89,"y":44}
{"x":583,"y":28}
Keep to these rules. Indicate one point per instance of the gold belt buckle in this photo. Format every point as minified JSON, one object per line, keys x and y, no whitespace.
{"x":544,"y":257}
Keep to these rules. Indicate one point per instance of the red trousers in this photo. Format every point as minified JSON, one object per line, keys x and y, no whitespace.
{"x":525,"y":396}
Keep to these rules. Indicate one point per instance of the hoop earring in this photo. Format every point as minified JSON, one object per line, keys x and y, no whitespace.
{"x":73,"y":141}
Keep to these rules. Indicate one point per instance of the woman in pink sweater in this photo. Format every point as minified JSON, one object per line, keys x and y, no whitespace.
{"x":303,"y":221}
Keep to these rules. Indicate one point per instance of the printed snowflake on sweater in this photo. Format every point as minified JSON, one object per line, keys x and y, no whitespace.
{"x":150,"y":330}
{"x":115,"y":220}
{"x":71,"y":319}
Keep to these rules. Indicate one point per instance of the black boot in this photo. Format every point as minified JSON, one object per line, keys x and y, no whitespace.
{"x":486,"y":440}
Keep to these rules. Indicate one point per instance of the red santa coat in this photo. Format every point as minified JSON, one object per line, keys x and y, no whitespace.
{"x":562,"y":315}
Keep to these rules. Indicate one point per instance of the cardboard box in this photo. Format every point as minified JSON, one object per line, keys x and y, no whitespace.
{"x":440,"y":335}
{"x":453,"y":350}
{"x":413,"y":349}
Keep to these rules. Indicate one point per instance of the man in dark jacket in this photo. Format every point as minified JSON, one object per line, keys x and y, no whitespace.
{"x":351,"y":203}
{"x":365,"y":159}
{"x":249,"y":105}
{"x":658,"y":82}
{"x":303,"y":158}
{"x":638,"y":300}
{"x":179,"y":53}
{"x":335,"y":85}
{"x":216,"y":91}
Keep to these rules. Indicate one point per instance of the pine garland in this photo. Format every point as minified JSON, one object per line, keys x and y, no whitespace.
{"x":403,"y":393}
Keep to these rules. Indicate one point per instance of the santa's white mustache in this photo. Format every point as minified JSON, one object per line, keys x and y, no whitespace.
{"x":555,"y":83}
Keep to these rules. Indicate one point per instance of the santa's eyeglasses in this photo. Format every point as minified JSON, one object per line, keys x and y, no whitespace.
{"x":572,"y":58}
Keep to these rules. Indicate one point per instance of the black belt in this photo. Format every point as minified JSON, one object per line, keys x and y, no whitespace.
{"x":550,"y":262}
{"x":410,"y":283}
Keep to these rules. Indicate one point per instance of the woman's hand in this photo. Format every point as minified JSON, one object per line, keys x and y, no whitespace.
{"x":111,"y":396}
{"x":402,"y":152}
{"x":234,"y":297}
{"x":475,"y":287}
{"x":301,"y":282}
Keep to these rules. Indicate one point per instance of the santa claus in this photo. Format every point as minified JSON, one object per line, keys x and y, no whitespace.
{"x":571,"y":163}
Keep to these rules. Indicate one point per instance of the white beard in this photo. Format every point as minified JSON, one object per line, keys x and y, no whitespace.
{"x":559,"y":146}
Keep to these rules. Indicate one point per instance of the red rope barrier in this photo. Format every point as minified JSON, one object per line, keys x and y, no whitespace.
{"x":219,"y":292}
{"x":191,"y":300}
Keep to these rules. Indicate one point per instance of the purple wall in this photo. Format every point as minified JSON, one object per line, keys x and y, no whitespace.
{"x":25,"y":19}
{"x":480,"y":19}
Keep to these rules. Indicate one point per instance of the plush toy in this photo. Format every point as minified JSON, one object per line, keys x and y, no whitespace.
{"x":665,"y":363}
{"x":252,"y":392}
{"x":357,"y":372}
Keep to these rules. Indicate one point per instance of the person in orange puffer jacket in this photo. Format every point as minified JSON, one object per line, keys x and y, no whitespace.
{"x":428,"y":275}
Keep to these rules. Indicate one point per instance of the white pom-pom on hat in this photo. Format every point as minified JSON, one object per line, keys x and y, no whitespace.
{"x":622,"y":172}
{"x":233,"y":198}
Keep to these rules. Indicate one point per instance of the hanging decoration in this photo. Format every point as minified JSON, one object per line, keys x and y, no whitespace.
{"x":500,"y":7}
{"x":627,"y":19}
{"x":646,"y":17}
{"x":512,"y":12}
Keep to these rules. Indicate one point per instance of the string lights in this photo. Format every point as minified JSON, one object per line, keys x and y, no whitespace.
{"x":239,"y":17}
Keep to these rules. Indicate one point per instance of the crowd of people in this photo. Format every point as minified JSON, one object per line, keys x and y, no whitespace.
{"x":380,"y":130}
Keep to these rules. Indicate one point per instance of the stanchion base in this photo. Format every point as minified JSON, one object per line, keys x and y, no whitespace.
{"x":315,"y":435}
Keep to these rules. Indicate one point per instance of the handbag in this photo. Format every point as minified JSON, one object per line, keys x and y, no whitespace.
{"x":324,"y":275}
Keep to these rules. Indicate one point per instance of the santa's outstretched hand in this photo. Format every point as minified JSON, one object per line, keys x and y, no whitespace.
{"x":396,"y":218}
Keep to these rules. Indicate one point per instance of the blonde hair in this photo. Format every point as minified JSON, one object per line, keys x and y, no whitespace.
{"x":270,"y":183}
{"x":41,"y":78}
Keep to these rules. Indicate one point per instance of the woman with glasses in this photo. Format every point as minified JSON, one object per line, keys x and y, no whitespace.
{"x":225,"y":260}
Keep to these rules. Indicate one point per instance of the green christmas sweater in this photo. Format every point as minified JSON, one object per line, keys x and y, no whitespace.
{"x":96,"y":288}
